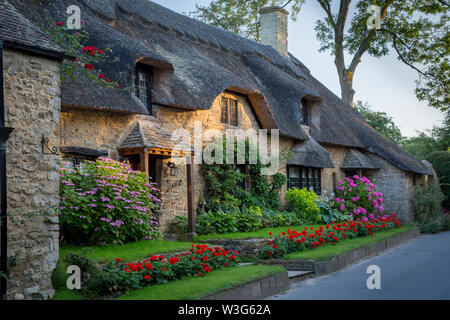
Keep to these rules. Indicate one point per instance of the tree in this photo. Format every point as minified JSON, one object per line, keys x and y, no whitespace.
{"x":426,"y":142}
{"x":381,"y":122}
{"x":420,"y":146}
{"x":240,"y":17}
{"x":417,"y":30}
{"x":441,"y":163}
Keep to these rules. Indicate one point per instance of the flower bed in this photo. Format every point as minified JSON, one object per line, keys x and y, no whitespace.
{"x":119,"y":276}
{"x":197,"y":261}
{"x":105,"y":202}
{"x":310,"y":238}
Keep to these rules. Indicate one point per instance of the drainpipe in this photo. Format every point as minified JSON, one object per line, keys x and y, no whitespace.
{"x":4,"y":134}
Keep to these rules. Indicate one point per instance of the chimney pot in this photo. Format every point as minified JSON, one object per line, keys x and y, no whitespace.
{"x":274,"y":28}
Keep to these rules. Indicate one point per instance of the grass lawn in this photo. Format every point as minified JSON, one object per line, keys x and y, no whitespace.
{"x":129,"y":252}
{"x":258,"y":234}
{"x":197,"y":288}
{"x":67,"y":295}
{"x":329,"y":251}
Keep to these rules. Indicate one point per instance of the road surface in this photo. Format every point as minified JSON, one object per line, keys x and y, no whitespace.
{"x":419,"y":269}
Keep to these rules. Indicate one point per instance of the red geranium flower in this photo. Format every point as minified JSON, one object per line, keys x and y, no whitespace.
{"x":173,"y":260}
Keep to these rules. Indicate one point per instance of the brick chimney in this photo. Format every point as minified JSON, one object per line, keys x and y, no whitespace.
{"x":274,"y":28}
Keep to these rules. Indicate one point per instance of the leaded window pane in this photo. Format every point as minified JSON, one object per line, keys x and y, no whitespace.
{"x":304,"y":177}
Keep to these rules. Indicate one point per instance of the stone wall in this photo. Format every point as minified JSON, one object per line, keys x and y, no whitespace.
{"x":32,"y":101}
{"x":396,"y":185}
{"x":94,"y":129}
{"x":337,"y":155}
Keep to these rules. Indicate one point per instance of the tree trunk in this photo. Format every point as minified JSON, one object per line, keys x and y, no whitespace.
{"x":347,"y":92}
{"x":346,"y":82}
{"x":345,"y":79}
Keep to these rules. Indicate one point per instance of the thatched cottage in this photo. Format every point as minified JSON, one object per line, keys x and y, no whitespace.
{"x":175,"y":71}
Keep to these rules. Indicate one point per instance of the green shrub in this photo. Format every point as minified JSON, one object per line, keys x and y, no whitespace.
{"x":179,"y":225}
{"x":327,"y":214}
{"x":441,"y":163}
{"x":428,"y":201}
{"x":107,"y":202}
{"x":273,"y":218}
{"x":445,"y":221}
{"x":429,"y":226}
{"x":223,"y":183}
{"x":59,"y":276}
{"x":303,"y":203}
{"x":215,"y":222}
{"x":249,"y":220}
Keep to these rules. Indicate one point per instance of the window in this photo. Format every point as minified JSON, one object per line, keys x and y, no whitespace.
{"x":351,"y":173}
{"x":229,"y":113}
{"x":142,"y":85}
{"x":72,"y":161}
{"x":74,"y":155}
{"x":334,"y":181}
{"x":304,"y":112}
{"x":304,"y":177}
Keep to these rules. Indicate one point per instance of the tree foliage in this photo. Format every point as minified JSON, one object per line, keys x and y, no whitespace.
{"x":240,"y":17}
{"x":416,"y":30}
{"x":426,"y":142}
{"x":441,"y":163}
{"x":381,"y":122}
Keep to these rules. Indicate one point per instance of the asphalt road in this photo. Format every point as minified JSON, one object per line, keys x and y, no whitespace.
{"x":419,"y":269}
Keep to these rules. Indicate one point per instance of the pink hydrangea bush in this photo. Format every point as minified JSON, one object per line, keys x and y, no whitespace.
{"x":107,"y":202}
{"x":357,"y":197}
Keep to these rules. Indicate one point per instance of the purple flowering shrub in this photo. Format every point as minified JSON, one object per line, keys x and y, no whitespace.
{"x":107,"y":202}
{"x":358,"y":198}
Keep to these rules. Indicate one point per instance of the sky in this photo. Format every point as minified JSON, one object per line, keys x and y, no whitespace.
{"x":385,"y":83}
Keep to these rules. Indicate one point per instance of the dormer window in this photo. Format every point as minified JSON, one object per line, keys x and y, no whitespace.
{"x":304,"y":112}
{"x":229,"y":112}
{"x":142,"y":85}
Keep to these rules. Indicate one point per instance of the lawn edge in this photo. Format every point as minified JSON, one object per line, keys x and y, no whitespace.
{"x":321,"y":267}
{"x":275,"y":281}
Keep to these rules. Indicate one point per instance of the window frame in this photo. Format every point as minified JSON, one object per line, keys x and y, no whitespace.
{"x":304,"y":104}
{"x":349,"y":173}
{"x":229,"y":112}
{"x":136,"y":89}
{"x":76,"y":159}
{"x":305,"y":180}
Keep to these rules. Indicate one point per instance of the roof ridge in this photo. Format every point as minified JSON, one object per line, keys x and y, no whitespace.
{"x":141,"y":132}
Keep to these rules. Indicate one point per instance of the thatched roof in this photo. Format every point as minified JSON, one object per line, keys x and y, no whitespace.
{"x":18,"y":31}
{"x":195,"y":62}
{"x":145,"y":134}
{"x":342,"y":125}
{"x":355,"y":159}
{"x":310,"y":154}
